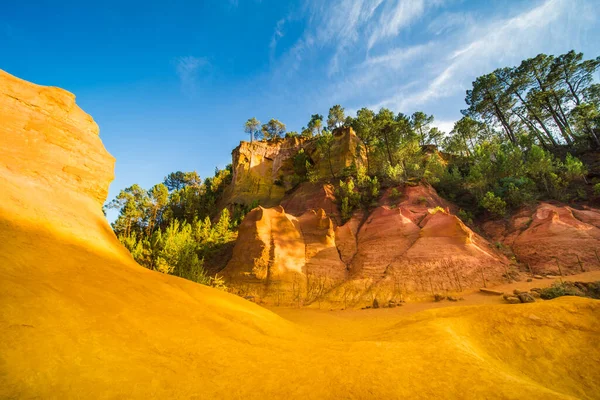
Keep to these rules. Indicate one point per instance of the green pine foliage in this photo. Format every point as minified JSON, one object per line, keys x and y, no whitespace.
{"x":169,"y":228}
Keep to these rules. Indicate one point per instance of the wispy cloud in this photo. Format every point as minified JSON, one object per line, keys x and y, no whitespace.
{"x":188,"y":68}
{"x":278,"y":33}
{"x":397,"y":15}
{"x":348,"y":28}
{"x":416,"y":54}
{"x":501,"y":41}
{"x":398,"y":57}
{"x":449,"y":21}
{"x":445,"y":126}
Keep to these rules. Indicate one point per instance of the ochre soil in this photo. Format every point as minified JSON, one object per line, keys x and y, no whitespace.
{"x":80,"y":322}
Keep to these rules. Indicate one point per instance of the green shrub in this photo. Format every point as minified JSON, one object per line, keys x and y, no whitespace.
{"x":465,"y":217}
{"x":301,"y":164}
{"x":394,"y":174}
{"x":597,"y":189}
{"x":493,"y":204}
{"x":559,"y":289}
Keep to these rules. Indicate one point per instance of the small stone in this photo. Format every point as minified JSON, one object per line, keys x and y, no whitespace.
{"x":491,"y":291}
{"x":535,"y":289}
{"x":529,"y":280}
{"x":538,"y":277}
{"x":512,"y":300}
{"x":526,"y":297}
{"x":451,"y":298}
{"x":516,"y":291}
{"x":391,"y":304}
{"x":535,"y":295}
{"x":551,"y":276}
{"x":375,"y":304}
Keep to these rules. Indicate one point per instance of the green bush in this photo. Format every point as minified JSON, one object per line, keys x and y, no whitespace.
{"x":559,"y":289}
{"x":465,"y":217}
{"x":493,"y":204}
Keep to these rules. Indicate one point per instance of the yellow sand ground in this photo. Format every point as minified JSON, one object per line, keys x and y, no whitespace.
{"x":81,"y":323}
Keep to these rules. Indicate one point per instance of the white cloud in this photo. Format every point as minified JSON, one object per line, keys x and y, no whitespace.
{"x":277,"y":34}
{"x":444,"y":126}
{"x":344,"y":25}
{"x":416,"y":54}
{"x":187,"y":69}
{"x":395,"y":16}
{"x":398,"y":57}
{"x":502,"y":41}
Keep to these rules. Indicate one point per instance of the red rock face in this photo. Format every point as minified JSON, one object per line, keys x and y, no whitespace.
{"x":381,"y":240}
{"x":322,"y":258}
{"x":311,"y":196}
{"x":271,"y":247}
{"x":549,"y":233}
{"x":407,"y":238}
{"x":411,"y":241}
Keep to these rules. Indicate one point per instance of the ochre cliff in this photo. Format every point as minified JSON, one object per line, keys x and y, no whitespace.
{"x":552,"y":238}
{"x":54,"y":170}
{"x":415,"y":239}
{"x":79,"y":319}
{"x":281,"y":252}
{"x":259,"y":169}
{"x":78,"y":316}
{"x":263,"y":171}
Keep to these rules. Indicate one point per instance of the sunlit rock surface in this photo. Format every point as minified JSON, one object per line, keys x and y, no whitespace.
{"x":550,"y":237}
{"x":79,"y":319}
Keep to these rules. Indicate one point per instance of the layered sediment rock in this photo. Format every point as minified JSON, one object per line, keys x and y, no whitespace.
{"x":549,"y":236}
{"x":412,"y":238}
{"x":346,"y":150}
{"x":417,"y":238}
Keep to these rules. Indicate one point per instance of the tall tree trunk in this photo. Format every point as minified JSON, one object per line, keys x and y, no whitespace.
{"x":505,"y":124}
{"x":564,"y":118}
{"x":537,"y":118}
{"x":534,"y":130}
{"x":552,"y":111}
{"x":387,"y":146}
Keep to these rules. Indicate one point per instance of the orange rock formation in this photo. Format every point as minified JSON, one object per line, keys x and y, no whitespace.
{"x":416,"y":240}
{"x":550,"y":236}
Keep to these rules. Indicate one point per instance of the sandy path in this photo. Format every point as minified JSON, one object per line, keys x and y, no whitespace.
{"x":355,"y":323}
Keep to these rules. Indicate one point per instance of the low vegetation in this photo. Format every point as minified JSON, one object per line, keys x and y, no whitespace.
{"x":172,"y":228}
{"x":581,"y":289}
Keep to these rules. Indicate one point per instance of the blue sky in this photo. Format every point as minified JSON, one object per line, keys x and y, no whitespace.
{"x":171,"y":83}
